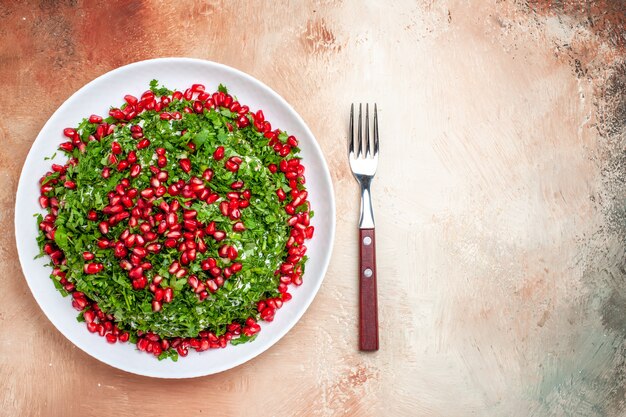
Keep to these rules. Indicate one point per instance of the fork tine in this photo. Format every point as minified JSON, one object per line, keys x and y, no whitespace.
{"x":375,"y":130}
{"x":367,"y":130}
{"x":360,"y":136}
{"x":351,"y":137}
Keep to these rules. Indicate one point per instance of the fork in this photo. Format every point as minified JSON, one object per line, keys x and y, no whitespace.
{"x":363,"y":164}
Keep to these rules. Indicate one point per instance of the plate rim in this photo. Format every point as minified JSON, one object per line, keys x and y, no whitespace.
{"x":325,"y":175}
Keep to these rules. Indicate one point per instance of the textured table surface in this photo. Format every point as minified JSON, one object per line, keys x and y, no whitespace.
{"x":499,"y":200}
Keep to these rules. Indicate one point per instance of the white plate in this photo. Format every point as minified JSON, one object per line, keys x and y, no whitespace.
{"x":96,"y":97}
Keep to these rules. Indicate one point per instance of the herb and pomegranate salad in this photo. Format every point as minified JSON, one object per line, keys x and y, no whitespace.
{"x":178,"y":222}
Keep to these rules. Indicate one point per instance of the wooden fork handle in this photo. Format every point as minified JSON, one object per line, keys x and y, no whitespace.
{"x":368,"y":302}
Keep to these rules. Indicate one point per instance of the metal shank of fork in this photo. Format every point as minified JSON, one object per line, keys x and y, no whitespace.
{"x":366,"y":221}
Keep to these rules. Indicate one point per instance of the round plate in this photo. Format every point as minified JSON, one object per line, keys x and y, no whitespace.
{"x":95,"y":98}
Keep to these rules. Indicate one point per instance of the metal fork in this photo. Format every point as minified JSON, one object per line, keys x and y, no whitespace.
{"x":363,"y":164}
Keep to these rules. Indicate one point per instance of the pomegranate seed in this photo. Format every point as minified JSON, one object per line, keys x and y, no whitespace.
{"x":44,"y":202}
{"x":117,"y":114}
{"x":135,"y":170}
{"x":95,"y":119}
{"x":88,"y":256}
{"x":104,"y":227}
{"x":211,"y":285}
{"x":235,"y":214}
{"x":292,"y":141}
{"x":185,"y":165}
{"x":111,"y":338}
{"x":69,"y":132}
{"x":242,"y":121}
{"x":219,"y":235}
{"x":281,"y":194}
{"x":116,"y":148}
{"x":168,"y":295}
{"x":92,"y":268}
{"x":236,"y":185}
{"x":224,"y":208}
{"x":219,"y":153}
{"x":207,"y":175}
{"x":144,"y":143}
{"x":123,"y":165}
{"x":66,"y":146}
{"x":239,"y":227}
{"x":156,"y":306}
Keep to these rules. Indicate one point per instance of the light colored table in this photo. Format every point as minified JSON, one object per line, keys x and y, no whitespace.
{"x":499,"y":203}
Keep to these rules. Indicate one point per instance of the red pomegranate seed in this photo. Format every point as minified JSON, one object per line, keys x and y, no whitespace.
{"x":219,"y":235}
{"x":69,"y":132}
{"x":95,"y":119}
{"x":219,"y":153}
{"x":88,"y":256}
{"x":292,"y":141}
{"x":156,"y":306}
{"x":242,"y":121}
{"x":236,"y":185}
{"x":185,"y":165}
{"x":142,"y":144}
{"x":207,"y":175}
{"x":235,"y":214}
{"x":116,"y":148}
{"x":123,"y":165}
{"x":92,"y":268}
{"x":117,"y":114}
{"x":239,"y":227}
{"x":281,"y":194}
{"x":135,"y":170}
{"x":211,"y":285}
{"x":168,"y":295}
{"x":104,"y":227}
{"x":236,"y":267}
{"x":66,"y":146}
{"x":224,"y":208}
